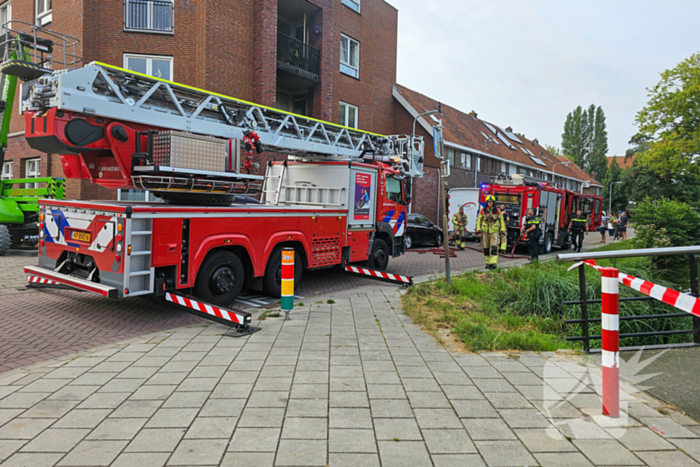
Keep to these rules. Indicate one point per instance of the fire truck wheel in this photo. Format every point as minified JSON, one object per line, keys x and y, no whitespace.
{"x":407,"y":241}
{"x":5,"y":240}
{"x":546,"y":246}
{"x":272,"y":282}
{"x":379,"y":259}
{"x":220,"y":278}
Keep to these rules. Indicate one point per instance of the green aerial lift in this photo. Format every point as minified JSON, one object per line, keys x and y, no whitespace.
{"x":19,"y":198}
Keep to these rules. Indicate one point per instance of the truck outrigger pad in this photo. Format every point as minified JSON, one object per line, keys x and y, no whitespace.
{"x":403,"y":281}
{"x":235,"y":318}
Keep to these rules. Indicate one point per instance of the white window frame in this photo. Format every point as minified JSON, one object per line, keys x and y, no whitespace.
{"x":345,"y":121}
{"x":149,"y":20}
{"x":354,"y":5}
{"x":34,"y":173}
{"x":149,"y":62}
{"x":347,"y":67}
{"x":451,"y":156}
{"x":6,"y":11}
{"x":46,"y":16}
{"x":7,"y":170}
{"x":466,"y":160}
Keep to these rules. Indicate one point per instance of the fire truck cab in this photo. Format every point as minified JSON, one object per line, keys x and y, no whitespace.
{"x":554,"y":206}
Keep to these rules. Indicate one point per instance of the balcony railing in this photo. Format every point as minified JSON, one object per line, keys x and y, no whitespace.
{"x":296,"y":57}
{"x":149,"y":15}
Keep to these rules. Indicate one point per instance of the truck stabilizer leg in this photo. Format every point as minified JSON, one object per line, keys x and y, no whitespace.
{"x":38,"y":281}
{"x":403,"y":281}
{"x":235,"y":318}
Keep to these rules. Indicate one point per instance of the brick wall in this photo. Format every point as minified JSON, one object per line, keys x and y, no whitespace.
{"x":231,"y":48}
{"x":376,"y":31}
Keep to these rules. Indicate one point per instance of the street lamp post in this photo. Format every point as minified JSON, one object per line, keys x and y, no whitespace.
{"x":424,"y":114}
{"x":441,"y":181}
{"x":610,"y":195}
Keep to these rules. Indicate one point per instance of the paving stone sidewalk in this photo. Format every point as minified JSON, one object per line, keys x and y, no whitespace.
{"x":353,"y":383}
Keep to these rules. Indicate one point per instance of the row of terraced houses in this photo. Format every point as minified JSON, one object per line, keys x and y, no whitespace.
{"x":333,"y":60}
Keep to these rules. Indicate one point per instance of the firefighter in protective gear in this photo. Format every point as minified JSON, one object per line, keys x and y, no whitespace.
{"x":490,"y":226}
{"x":577,"y":226}
{"x":460,"y":222}
{"x":533,"y":229}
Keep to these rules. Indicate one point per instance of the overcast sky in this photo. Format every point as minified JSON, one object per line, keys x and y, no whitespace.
{"x":527,"y":63}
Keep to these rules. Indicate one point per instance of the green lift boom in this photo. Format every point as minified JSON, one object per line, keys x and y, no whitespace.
{"x":28,"y":52}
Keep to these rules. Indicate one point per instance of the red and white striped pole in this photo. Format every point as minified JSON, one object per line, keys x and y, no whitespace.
{"x":611,"y":341}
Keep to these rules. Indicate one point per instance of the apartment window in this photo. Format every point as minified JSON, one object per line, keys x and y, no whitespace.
{"x":43,"y":12}
{"x":479,"y":163}
{"x":5,"y":12}
{"x":349,"y":56}
{"x":153,"y":65}
{"x":7,"y":170}
{"x":348,"y":115}
{"x":149,"y":15}
{"x":504,"y":168}
{"x":354,"y":5}
{"x":32,"y":169}
{"x":466,"y":160}
{"x":451,"y":156}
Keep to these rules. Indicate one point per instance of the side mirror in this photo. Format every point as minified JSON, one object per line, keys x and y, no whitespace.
{"x":406,"y":192}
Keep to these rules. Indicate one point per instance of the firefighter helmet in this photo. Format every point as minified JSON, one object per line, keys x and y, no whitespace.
{"x":490,"y":198}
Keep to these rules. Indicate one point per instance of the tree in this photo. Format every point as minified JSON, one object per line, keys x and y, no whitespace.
{"x":585,"y":139}
{"x":598,"y":156}
{"x":670,"y":124}
{"x":574,"y":140}
{"x":619,"y":192}
{"x":553,"y":150}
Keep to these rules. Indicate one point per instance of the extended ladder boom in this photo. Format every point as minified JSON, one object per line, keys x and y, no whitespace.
{"x":115,"y":93}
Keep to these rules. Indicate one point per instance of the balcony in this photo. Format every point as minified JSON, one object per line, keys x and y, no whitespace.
{"x":154,"y":16}
{"x":298,"y":58}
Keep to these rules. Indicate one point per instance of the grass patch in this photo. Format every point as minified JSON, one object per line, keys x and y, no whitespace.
{"x":522,"y":308}
{"x":269,"y":314}
{"x":330,"y":301}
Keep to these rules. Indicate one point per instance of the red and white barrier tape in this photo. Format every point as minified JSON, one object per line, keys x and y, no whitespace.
{"x":236,"y":318}
{"x":676,"y":299}
{"x":380,"y":275}
{"x":41,"y":280}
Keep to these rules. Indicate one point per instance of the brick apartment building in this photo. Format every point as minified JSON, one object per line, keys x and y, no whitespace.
{"x":477,"y":150}
{"x":333,"y":60}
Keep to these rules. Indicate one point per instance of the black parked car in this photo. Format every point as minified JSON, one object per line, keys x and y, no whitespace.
{"x":420,"y":230}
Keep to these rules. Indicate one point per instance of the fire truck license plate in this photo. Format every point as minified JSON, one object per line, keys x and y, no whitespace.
{"x":80,"y":236}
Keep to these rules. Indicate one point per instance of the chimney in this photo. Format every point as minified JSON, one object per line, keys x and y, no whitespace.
{"x":535,"y":141}
{"x":472,"y":114}
{"x":509,"y":129}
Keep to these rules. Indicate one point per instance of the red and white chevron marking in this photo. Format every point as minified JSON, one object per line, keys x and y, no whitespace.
{"x":676,"y":299}
{"x":380,"y":274}
{"x":237,"y":318}
{"x":41,"y":280}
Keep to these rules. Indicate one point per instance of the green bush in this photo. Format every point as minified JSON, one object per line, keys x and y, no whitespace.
{"x":665,"y":223}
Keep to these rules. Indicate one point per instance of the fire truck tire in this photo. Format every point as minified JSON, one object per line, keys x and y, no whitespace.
{"x":220,"y":278}
{"x":5,"y":240}
{"x":272,"y":281}
{"x":407,"y":241}
{"x":546,"y":246}
{"x":379,"y":258}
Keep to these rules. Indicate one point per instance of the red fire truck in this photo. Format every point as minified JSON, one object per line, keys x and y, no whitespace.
{"x":339,"y":198}
{"x":554,"y":206}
